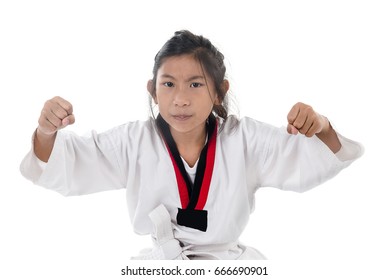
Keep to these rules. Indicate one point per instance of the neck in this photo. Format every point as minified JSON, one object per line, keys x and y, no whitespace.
{"x":190,"y":144}
{"x":190,"y":140}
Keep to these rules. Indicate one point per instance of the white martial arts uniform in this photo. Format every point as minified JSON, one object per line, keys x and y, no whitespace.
{"x":249,"y":155}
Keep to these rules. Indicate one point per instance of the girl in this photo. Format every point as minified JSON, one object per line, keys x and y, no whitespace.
{"x":191,"y":173}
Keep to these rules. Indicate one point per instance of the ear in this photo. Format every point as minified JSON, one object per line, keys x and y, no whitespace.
{"x":225,"y":87}
{"x":151,"y":90}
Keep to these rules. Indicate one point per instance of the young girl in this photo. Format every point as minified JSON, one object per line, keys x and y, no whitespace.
{"x":192,"y":171}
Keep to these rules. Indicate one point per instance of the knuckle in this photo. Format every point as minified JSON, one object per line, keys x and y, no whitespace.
{"x":68,"y":107}
{"x":297,"y":124}
{"x":47,"y":104}
{"x":309,"y":135}
{"x":57,"y":122}
{"x":59,"y":113}
{"x":41,"y":122}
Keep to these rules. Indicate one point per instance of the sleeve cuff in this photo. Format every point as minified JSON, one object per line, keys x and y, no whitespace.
{"x":350,"y":149}
{"x":31,"y":166}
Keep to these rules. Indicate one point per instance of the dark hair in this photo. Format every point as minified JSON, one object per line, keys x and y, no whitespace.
{"x":209,"y":57}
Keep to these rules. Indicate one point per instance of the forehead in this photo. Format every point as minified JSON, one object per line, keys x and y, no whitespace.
{"x":182,"y":65}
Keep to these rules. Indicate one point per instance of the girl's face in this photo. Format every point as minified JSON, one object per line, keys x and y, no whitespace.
{"x":185,"y":94}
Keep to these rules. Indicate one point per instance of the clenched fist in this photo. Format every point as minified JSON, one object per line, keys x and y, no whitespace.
{"x":56,"y":114}
{"x":302,"y":118}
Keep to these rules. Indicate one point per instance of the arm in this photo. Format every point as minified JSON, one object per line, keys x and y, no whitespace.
{"x":75,"y":165}
{"x":56,"y":114}
{"x":276,"y":158}
{"x":302,"y":118}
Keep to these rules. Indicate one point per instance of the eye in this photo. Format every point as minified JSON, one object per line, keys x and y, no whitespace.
{"x":168,"y":84}
{"x":195,"y":85}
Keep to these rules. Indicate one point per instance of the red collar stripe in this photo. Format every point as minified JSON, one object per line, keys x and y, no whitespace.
{"x":208,"y":172}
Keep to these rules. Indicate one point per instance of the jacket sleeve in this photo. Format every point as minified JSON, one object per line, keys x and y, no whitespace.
{"x":79,"y":165}
{"x":295,"y":162}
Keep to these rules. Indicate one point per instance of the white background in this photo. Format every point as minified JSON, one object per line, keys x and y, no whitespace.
{"x":99,"y":55}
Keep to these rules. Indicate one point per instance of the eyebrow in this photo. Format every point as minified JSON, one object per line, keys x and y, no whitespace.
{"x":188,"y":80}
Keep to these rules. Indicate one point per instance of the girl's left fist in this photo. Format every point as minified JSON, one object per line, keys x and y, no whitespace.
{"x":302,"y":118}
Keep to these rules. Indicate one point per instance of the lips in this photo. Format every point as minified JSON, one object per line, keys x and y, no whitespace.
{"x":181,"y":117}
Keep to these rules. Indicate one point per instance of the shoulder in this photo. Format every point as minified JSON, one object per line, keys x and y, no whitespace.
{"x":133,"y":127}
{"x":246,"y":126}
{"x":129,"y":132}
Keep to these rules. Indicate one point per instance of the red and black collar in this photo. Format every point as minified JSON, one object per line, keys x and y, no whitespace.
{"x":193,"y":196}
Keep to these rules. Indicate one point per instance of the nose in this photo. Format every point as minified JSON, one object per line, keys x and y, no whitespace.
{"x":181,"y":99}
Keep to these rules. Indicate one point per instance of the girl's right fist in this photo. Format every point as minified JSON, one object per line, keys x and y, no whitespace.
{"x":56,"y":114}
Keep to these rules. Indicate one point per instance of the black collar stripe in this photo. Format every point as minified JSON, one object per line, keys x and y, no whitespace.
{"x":193,"y":197}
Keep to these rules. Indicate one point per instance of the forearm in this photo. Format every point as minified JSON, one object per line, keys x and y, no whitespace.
{"x":329,"y":137}
{"x":57,"y":113}
{"x":43,"y":145}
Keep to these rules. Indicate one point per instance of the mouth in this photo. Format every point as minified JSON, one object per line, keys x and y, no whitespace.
{"x":181,"y":117}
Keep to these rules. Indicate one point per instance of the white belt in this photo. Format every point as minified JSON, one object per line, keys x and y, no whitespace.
{"x":166,"y":247}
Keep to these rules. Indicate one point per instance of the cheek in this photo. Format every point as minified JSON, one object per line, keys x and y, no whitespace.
{"x":161,"y":100}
